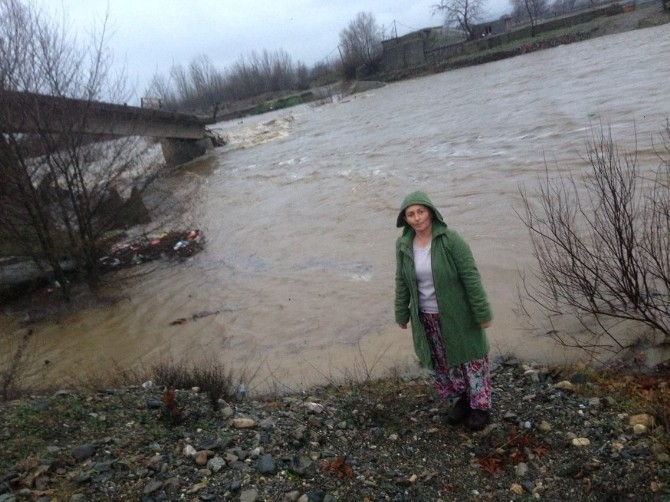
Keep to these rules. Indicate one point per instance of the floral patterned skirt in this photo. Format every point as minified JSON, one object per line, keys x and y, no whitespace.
{"x":471,"y":379}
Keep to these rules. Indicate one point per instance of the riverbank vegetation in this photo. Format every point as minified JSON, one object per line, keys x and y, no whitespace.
{"x":601,"y":241}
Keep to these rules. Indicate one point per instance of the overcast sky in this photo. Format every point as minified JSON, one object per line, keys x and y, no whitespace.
{"x":149,"y":36}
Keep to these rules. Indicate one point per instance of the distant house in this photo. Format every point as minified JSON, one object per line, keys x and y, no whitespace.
{"x":152,"y":103}
{"x":410,"y":50}
{"x":491,"y":28}
{"x":405,"y":52}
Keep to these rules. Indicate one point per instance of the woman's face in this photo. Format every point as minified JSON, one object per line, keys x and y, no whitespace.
{"x":418,"y":217}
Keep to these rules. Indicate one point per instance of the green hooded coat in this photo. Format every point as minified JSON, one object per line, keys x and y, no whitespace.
{"x":461,"y":299}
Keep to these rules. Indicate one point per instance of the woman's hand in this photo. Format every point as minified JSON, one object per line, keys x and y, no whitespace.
{"x":403,"y":325}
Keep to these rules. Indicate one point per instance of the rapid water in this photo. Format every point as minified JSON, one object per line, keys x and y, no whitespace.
{"x":299,"y":214}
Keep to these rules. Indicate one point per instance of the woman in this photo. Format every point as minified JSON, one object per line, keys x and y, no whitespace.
{"x":438,"y":289}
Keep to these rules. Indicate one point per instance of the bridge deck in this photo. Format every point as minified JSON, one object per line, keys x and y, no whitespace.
{"x":29,"y":112}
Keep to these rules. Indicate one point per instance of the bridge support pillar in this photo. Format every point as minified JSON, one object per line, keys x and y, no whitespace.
{"x":180,"y":151}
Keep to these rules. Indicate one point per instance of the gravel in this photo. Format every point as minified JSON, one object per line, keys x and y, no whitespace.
{"x":554,"y":436}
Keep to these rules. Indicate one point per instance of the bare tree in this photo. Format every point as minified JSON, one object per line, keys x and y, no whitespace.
{"x":180,"y":80}
{"x":360,"y":44}
{"x":324,"y":72}
{"x":246,"y":73}
{"x":56,"y":180}
{"x":531,"y":10}
{"x":159,"y":87}
{"x":602,"y":246}
{"x":461,"y":14}
{"x":283,"y":72}
{"x":562,"y":7}
{"x":207,"y":84}
{"x":301,"y":75}
{"x":202,"y":87}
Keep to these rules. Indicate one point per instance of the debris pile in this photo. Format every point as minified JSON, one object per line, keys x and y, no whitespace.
{"x":167,"y":245}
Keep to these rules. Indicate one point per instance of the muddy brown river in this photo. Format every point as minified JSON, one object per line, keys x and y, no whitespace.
{"x":299,"y":210}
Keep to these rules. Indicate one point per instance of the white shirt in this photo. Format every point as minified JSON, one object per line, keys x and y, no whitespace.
{"x":424,"y":279}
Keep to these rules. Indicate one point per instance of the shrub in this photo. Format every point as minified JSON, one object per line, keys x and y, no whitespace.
{"x":210,"y":376}
{"x":602,"y":247}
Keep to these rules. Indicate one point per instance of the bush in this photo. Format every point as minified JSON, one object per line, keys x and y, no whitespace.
{"x":602,"y":247}
{"x":209,"y":376}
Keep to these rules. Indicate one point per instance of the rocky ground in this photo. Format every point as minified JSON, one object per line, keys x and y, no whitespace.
{"x":555,"y":436}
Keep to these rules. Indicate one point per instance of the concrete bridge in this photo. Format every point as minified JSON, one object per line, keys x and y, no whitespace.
{"x":183,"y":137}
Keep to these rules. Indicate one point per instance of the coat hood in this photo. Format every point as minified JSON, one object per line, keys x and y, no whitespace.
{"x":417,"y":198}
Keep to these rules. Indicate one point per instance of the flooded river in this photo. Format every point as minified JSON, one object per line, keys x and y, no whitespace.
{"x":299,"y":212}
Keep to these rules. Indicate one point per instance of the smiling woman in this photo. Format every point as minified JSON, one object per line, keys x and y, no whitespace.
{"x":419,"y":217}
{"x":438,"y":288}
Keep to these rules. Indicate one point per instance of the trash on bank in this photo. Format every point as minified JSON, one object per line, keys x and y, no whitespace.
{"x":180,"y":245}
{"x":167,"y":245}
